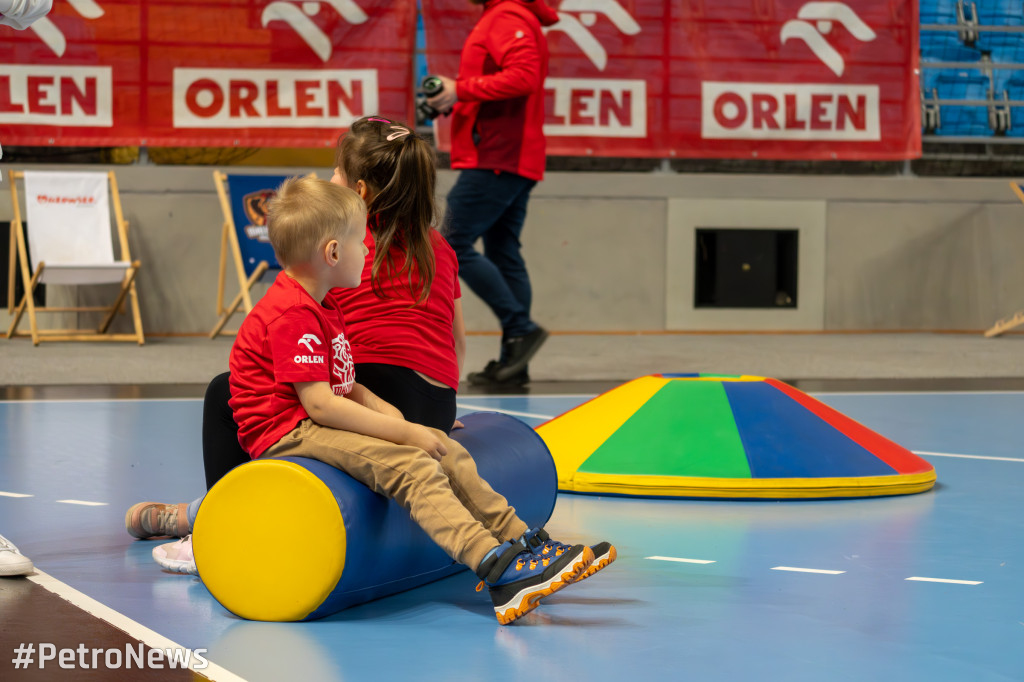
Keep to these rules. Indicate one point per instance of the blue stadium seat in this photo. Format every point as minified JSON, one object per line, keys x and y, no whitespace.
{"x":945,"y":46}
{"x":1000,"y":12}
{"x":1004,"y":46}
{"x":1014,"y":87}
{"x":421,"y":46}
{"x":1000,"y":78}
{"x":420,"y":66}
{"x":1007,"y":48}
{"x":938,"y":11}
{"x":962,"y":120}
{"x":928,"y":77}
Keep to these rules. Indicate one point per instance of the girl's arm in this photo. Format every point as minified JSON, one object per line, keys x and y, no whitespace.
{"x":459,"y":331}
{"x":367,"y":398}
{"x":327,"y":409}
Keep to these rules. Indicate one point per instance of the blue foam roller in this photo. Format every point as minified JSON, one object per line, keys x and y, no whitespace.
{"x":335,"y":542}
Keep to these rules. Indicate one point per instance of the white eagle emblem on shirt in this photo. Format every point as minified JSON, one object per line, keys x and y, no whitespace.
{"x":342,"y":367}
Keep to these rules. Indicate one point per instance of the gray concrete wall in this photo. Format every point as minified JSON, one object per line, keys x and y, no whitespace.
{"x":900,"y":252}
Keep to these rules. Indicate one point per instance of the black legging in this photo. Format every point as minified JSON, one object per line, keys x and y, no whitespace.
{"x":221,"y":450}
{"x":418,"y":400}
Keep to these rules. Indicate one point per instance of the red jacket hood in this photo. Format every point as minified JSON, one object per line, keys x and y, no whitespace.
{"x":547,"y":16}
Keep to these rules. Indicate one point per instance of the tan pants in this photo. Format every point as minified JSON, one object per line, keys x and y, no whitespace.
{"x":448,"y":499}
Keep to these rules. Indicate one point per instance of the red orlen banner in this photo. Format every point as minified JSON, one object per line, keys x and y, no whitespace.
{"x":770,"y":79}
{"x":212,"y":73}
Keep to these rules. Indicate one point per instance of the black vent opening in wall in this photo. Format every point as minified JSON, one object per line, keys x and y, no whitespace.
{"x":742,"y":268}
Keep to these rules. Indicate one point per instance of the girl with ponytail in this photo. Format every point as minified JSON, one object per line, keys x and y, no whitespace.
{"x":405,"y":319}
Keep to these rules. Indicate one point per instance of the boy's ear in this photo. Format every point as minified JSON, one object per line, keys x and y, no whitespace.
{"x":332,"y":252}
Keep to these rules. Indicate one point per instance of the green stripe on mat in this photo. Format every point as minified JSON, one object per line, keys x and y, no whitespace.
{"x":685,"y":429}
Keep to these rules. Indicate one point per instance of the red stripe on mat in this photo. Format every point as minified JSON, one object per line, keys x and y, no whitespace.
{"x":898,"y":457}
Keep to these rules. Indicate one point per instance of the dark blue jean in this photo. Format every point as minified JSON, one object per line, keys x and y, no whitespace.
{"x":492,"y":206}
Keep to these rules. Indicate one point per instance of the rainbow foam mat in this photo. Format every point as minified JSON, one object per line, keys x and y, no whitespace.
{"x":701,"y":435}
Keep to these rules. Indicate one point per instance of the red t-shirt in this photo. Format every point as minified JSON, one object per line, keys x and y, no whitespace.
{"x":287,"y":338}
{"x":393,"y":331}
{"x":498,"y":121}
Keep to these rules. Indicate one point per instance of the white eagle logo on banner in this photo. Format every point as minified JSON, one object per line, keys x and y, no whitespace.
{"x":577,"y":28}
{"x":823,"y":14}
{"x":300,"y":21}
{"x":52,"y":36}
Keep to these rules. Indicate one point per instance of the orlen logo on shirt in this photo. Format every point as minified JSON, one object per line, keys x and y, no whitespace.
{"x":308,"y":340}
{"x":273,"y":98}
{"x":310,"y":359}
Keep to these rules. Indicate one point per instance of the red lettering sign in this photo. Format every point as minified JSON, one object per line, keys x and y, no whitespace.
{"x":722,"y":79}
{"x":297,"y":79}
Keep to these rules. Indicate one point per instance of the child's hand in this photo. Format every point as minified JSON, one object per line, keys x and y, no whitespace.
{"x":424,"y":439}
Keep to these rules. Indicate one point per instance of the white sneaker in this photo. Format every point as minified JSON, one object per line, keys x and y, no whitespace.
{"x":13,"y":562}
{"x":176,"y":557}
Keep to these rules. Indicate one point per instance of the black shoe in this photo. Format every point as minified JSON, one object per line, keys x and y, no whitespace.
{"x":517,"y":579}
{"x":517,"y":351}
{"x":487,"y":376}
{"x":540,"y":543}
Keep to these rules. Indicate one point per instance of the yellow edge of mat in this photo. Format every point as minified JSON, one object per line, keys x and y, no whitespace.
{"x":775,"y":488}
{"x":297,"y":514}
{"x":575,"y":435}
{"x":747,"y":378}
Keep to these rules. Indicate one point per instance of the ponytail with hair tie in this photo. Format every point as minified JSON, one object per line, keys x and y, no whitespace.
{"x":402,"y":179}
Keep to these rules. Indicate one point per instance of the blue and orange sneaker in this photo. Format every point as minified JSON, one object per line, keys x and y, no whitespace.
{"x":539,"y":542}
{"x":518,"y":579}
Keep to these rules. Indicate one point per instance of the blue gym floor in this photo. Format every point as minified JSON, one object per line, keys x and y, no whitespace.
{"x":736,"y":617}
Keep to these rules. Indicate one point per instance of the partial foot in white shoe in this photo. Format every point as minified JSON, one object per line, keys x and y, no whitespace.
{"x":176,"y":557}
{"x":13,"y":562}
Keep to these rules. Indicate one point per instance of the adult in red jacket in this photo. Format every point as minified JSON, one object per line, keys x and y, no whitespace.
{"x":497,"y":104}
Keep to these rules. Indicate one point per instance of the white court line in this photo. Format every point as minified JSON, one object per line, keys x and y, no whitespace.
{"x":950,"y":454}
{"x":945,"y":580}
{"x":877,"y":393}
{"x":3,"y":494}
{"x":583,"y":396}
{"x":514,"y":413}
{"x":807,"y":570}
{"x":83,"y":503}
{"x":122,"y":622}
{"x":98,"y":400}
{"x":680,"y":560}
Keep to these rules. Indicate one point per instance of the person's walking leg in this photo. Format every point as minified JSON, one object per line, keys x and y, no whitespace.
{"x":502,"y":246}
{"x":521,"y":336}
{"x":477,"y":200}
